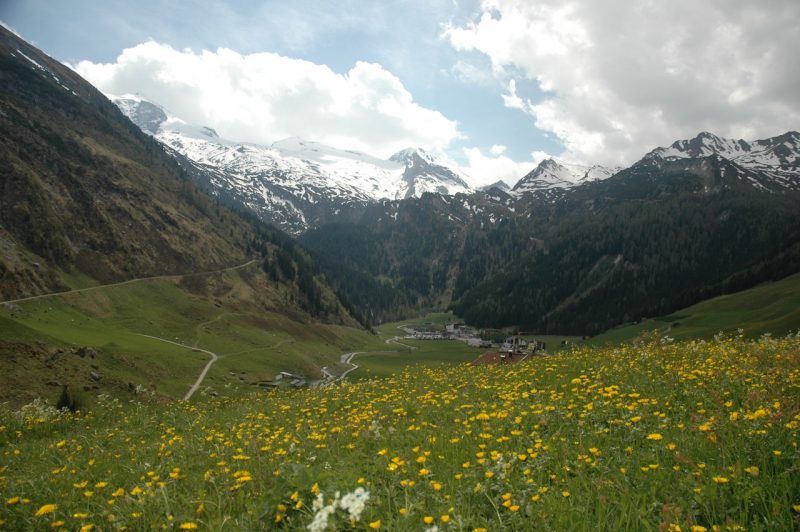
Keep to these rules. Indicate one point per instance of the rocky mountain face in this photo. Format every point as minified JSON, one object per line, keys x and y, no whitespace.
{"x":294,"y":183}
{"x":777,"y":158}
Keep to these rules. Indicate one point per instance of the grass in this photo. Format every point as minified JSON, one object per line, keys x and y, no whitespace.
{"x":659,"y":436}
{"x":418,"y":354}
{"x":769,"y":308}
{"x":38,"y":339}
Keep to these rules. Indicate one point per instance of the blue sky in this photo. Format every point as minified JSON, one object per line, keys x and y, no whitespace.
{"x":496,"y":84}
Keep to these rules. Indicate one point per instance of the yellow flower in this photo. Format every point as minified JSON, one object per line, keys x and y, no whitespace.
{"x":315,"y":488}
{"x":796,"y":508}
{"x":427,"y":519}
{"x":698,"y":528}
{"x":752,"y":470}
{"x":56,"y":524}
{"x":403,"y":511}
{"x":720,"y":480}
{"x":87,"y":528}
{"x":188,"y":526}
{"x":488,"y":474}
{"x":100,"y":485}
{"x":445,"y":518}
{"x":119,"y":493}
{"x":655,"y":436}
{"x":12,"y":501}
{"x":375,"y":525}
{"x":565,"y":493}
{"x":46,"y":509}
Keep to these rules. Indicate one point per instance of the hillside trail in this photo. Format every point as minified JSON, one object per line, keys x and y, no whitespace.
{"x":199,"y":381}
{"x":129,"y":281}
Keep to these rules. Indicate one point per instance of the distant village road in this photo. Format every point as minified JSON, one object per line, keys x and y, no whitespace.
{"x":129,"y":281}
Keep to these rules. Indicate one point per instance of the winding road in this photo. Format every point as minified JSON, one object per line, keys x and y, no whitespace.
{"x":129,"y":281}
{"x":199,"y":381}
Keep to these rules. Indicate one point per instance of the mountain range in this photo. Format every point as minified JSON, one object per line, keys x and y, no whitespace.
{"x":299,"y":184}
{"x":570,"y":248}
{"x":294,"y":183}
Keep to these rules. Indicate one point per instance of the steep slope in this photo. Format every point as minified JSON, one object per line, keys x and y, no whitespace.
{"x":83,"y":190}
{"x":89,"y":206}
{"x":650,"y":239}
{"x":294,"y":183}
{"x":772,"y":307}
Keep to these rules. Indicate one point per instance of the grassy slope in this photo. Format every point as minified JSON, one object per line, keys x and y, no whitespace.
{"x":769,"y":308}
{"x":626,"y":438}
{"x":253,"y":344}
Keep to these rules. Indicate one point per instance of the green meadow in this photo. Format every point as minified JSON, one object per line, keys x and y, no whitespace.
{"x":769,"y":308}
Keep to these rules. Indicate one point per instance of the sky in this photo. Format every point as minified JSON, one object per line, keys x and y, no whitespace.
{"x":495,"y":85}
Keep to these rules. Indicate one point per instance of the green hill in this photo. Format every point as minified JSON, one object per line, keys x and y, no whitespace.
{"x":768,"y":308}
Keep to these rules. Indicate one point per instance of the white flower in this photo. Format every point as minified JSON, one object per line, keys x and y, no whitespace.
{"x":354,"y":503}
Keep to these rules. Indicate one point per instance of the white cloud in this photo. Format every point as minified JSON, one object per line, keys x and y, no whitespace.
{"x":264,"y":97}
{"x":487,"y":169}
{"x":619,"y":79}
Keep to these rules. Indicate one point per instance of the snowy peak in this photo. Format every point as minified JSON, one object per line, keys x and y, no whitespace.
{"x":294,"y":182}
{"x":500,"y":185}
{"x":554,"y":174}
{"x":777,"y":157}
{"x":424,"y":172}
{"x":412,"y":156}
{"x":147,"y":115}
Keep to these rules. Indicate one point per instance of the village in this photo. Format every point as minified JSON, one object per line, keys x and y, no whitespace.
{"x":509,"y":349}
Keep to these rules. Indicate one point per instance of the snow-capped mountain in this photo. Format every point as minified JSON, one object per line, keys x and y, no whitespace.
{"x":501,"y":185}
{"x":294,"y":183}
{"x":553,"y":174}
{"x":776,"y":157}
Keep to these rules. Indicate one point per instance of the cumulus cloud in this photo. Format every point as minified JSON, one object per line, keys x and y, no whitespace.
{"x":487,"y":169}
{"x":263,"y":97}
{"x":618,"y":79}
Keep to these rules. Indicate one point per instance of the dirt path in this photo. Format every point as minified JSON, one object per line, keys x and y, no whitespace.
{"x":199,"y":381}
{"x":130,"y":281}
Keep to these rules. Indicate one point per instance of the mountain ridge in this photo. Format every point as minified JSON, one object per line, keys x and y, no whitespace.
{"x":306,"y":182}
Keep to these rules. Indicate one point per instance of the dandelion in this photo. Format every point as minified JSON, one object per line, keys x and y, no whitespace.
{"x":12,"y":501}
{"x":375,"y":525}
{"x":655,"y":436}
{"x":189,"y":525}
{"x":427,"y":519}
{"x":720,"y":480}
{"x":46,"y":509}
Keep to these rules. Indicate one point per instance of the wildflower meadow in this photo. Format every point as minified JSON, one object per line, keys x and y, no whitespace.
{"x":693,"y":436}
